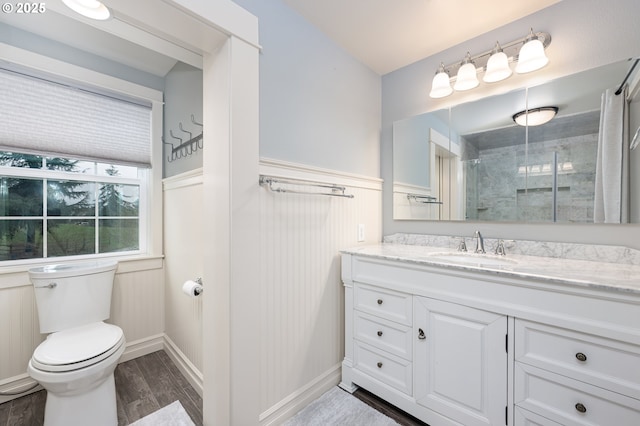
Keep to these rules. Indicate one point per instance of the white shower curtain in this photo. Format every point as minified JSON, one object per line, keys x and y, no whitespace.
{"x":611,"y":201}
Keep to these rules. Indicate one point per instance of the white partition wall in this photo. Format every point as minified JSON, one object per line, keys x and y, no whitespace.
{"x":301,"y":322}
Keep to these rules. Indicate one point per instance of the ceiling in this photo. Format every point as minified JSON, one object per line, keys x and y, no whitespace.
{"x":383,"y":34}
{"x":390,"y":34}
{"x":131,"y":37}
{"x":63,"y":29}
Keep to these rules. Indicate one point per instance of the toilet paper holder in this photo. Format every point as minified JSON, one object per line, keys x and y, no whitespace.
{"x":193,"y":288}
{"x":198,"y":290}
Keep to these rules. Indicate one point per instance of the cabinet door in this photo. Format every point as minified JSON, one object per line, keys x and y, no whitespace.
{"x":460,"y":362}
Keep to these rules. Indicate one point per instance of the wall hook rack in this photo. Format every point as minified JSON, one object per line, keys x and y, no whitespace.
{"x":185,"y":148}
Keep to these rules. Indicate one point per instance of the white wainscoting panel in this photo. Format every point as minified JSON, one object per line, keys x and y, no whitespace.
{"x":137,"y":304}
{"x":19,"y":331}
{"x":301,"y":333}
{"x":183,"y":244}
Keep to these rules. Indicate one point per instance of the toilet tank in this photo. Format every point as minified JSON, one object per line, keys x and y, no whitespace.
{"x":74,"y":294}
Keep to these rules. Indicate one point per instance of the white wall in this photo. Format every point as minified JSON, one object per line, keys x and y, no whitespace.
{"x":300,"y":330}
{"x":183,"y":245}
{"x":318,"y":105}
{"x":585,"y":34}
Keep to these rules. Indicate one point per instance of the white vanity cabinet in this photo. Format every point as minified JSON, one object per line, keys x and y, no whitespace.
{"x":460,"y":362}
{"x":464,"y":346}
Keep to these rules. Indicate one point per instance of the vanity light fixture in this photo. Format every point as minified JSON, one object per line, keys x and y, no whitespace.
{"x":535,"y":116}
{"x":90,"y":8}
{"x":527,"y":52}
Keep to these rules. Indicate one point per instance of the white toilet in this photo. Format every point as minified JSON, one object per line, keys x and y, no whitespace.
{"x":75,"y":363}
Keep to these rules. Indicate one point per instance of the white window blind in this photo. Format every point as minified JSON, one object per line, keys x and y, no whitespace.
{"x":45,"y":118}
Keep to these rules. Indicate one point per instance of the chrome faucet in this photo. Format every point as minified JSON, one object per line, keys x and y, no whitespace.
{"x":479,"y":242}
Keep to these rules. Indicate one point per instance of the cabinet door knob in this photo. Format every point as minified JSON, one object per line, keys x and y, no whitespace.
{"x":379,"y":365}
{"x":421,"y":334}
{"x":379,"y":301}
{"x":380,"y":333}
{"x":581,"y":357}
{"x":581,"y":408}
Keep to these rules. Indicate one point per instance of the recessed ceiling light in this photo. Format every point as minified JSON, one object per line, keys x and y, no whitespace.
{"x":90,"y":8}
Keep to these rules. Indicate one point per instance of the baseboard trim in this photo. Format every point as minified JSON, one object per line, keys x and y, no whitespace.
{"x":299,"y":399}
{"x":142,"y":347}
{"x":17,"y":384}
{"x":186,"y":367}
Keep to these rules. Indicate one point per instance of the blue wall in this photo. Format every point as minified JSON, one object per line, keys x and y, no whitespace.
{"x":318,"y":105}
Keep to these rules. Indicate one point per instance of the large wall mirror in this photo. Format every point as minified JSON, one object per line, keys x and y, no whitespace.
{"x":473,"y":162}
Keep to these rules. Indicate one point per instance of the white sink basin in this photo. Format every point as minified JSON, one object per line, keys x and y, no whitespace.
{"x":473,"y":259}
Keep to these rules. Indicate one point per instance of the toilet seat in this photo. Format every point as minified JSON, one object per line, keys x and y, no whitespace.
{"x":78,"y":347}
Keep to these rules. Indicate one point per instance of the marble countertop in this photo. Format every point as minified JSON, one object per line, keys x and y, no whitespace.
{"x":608,"y":276}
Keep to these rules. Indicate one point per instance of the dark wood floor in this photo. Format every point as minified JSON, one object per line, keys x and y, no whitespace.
{"x":143,"y":385}
{"x":148,"y":383}
{"x":387,"y":409}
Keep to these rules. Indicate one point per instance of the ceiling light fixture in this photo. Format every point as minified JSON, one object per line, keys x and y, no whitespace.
{"x":90,"y":8}
{"x":527,"y":51}
{"x":535,"y":116}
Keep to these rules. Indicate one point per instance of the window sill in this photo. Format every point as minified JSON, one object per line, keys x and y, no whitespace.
{"x":16,"y":275}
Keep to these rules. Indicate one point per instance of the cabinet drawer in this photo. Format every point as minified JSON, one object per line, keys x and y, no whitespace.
{"x":570,"y":402}
{"x":389,"y":304}
{"x":383,"y":334}
{"x":527,"y":418}
{"x":603,"y":362}
{"x":391,"y":370}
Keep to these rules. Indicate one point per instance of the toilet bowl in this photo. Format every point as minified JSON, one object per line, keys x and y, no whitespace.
{"x":76,"y":368}
{"x":75,"y":363}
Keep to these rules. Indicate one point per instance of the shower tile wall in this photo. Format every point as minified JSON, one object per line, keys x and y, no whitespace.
{"x":507,"y":182}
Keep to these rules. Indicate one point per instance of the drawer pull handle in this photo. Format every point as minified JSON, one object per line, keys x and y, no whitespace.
{"x":379,"y":301}
{"x":581,"y":408}
{"x":421,"y":334}
{"x":581,"y":357}
{"x":379,"y":333}
{"x":379,"y":365}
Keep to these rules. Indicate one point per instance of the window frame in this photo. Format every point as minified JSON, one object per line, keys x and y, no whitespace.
{"x":150,"y":218}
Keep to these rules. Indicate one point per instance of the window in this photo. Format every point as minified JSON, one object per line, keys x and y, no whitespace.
{"x":76,"y":174}
{"x":53,"y":207}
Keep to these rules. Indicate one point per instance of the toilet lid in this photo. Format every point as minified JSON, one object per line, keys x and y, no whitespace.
{"x":77,"y":347}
